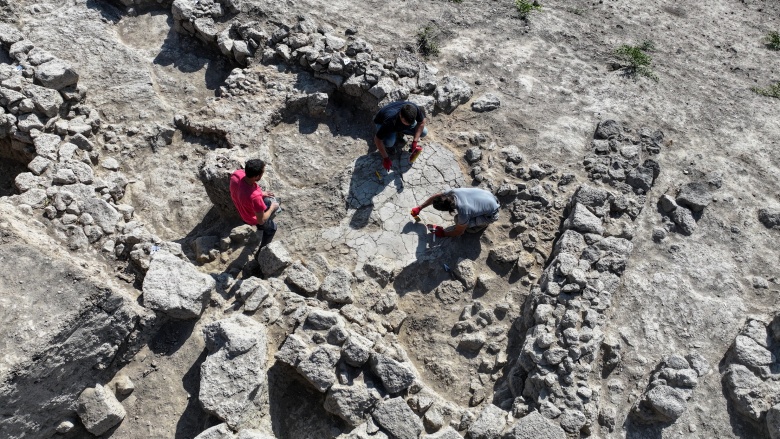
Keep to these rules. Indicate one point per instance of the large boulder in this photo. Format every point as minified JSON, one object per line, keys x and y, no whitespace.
{"x":273,"y":258}
{"x":233,"y":375}
{"x":337,"y":286}
{"x":452,"y":92}
{"x":215,"y":174}
{"x":56,"y":74}
{"x":175,"y":287}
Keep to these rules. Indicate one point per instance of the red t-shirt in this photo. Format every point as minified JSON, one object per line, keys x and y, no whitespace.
{"x":247,"y":197}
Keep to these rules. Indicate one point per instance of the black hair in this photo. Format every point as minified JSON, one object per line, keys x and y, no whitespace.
{"x":254,"y":168}
{"x":409,"y":113}
{"x":444,"y":202}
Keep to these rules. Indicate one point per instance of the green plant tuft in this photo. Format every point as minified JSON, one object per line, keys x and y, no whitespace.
{"x":773,"y":91}
{"x":772,"y":40}
{"x":635,"y":61}
{"x":524,"y":7}
{"x":428,"y":41}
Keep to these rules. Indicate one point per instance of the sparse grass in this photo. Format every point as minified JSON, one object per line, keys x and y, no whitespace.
{"x":635,"y":61}
{"x":773,"y":91}
{"x":772,"y":41}
{"x":524,"y":7}
{"x":428,"y":41}
{"x":575,"y":11}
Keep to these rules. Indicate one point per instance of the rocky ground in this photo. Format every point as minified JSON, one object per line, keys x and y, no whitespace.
{"x":629,"y":289}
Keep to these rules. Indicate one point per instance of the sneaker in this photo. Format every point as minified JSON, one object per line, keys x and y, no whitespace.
{"x":414,"y":153}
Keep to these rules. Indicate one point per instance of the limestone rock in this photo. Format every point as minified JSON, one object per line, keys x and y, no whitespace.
{"x":535,"y":426}
{"x":233,"y":375}
{"x":395,"y":376}
{"x":273,"y":258}
{"x":465,"y":272}
{"x":770,"y":218}
{"x":695,"y":196}
{"x":303,"y":279}
{"x":356,"y":350}
{"x":584,"y":221}
{"x":56,"y":74}
{"x":488,"y":102}
{"x":452,"y":92}
{"x":292,"y":351}
{"x":381,"y":269}
{"x":489,"y":424}
{"x":607,"y":129}
{"x":398,"y":419}
{"x":336,"y":287}
{"x":221,"y":431}
{"x":319,"y":367}
{"x":99,"y":410}
{"x":351,"y":403}
{"x":445,"y":433}
{"x":683,"y":219}
{"x":176,"y":287}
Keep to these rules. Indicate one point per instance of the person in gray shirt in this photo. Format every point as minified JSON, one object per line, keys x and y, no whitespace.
{"x":474,"y":209}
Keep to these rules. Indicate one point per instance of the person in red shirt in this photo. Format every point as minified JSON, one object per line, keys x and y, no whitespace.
{"x":250,"y":201}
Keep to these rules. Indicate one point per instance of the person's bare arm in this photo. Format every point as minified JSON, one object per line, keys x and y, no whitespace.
{"x":263,"y":217}
{"x":429,"y":201}
{"x":419,"y":131}
{"x":380,"y":146}
{"x":458,"y":230}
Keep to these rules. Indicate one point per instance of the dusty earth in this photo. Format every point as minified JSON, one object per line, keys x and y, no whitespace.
{"x":554,"y":76}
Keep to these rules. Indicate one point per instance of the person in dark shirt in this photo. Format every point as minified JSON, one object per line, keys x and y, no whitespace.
{"x":396,"y":119}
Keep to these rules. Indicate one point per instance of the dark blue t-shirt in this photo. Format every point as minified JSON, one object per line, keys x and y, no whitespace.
{"x":389,"y":120}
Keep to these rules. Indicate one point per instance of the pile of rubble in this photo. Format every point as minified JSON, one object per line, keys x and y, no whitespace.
{"x":670,"y":387}
{"x":47,"y":126}
{"x":750,"y":374}
{"x":564,"y":315}
{"x":350,"y":64}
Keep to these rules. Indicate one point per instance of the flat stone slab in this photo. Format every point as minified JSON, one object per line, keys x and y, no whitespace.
{"x":378,"y":220}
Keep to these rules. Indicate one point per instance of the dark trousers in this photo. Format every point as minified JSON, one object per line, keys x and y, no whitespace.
{"x":267,"y":230}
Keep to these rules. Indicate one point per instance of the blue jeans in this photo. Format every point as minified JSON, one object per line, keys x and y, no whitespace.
{"x":389,"y":141}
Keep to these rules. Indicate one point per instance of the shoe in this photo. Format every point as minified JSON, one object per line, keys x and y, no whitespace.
{"x":414,"y":153}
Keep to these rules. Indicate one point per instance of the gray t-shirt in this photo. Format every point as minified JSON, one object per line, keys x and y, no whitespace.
{"x":473,"y":202}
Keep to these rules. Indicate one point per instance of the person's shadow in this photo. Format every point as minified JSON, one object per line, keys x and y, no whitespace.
{"x":369,"y":179}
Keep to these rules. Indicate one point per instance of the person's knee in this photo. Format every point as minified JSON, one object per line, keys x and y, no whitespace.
{"x":424,"y":132}
{"x":389,"y":141}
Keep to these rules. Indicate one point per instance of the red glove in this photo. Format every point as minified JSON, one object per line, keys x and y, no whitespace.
{"x":416,"y":211}
{"x":387,"y":163}
{"x":414,"y":144}
{"x":439,"y":231}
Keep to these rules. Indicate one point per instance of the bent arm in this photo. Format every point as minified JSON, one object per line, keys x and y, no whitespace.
{"x":418,"y":132}
{"x":455,"y":231}
{"x":429,"y":201}
{"x":262,"y":217}
{"x":380,"y":146}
